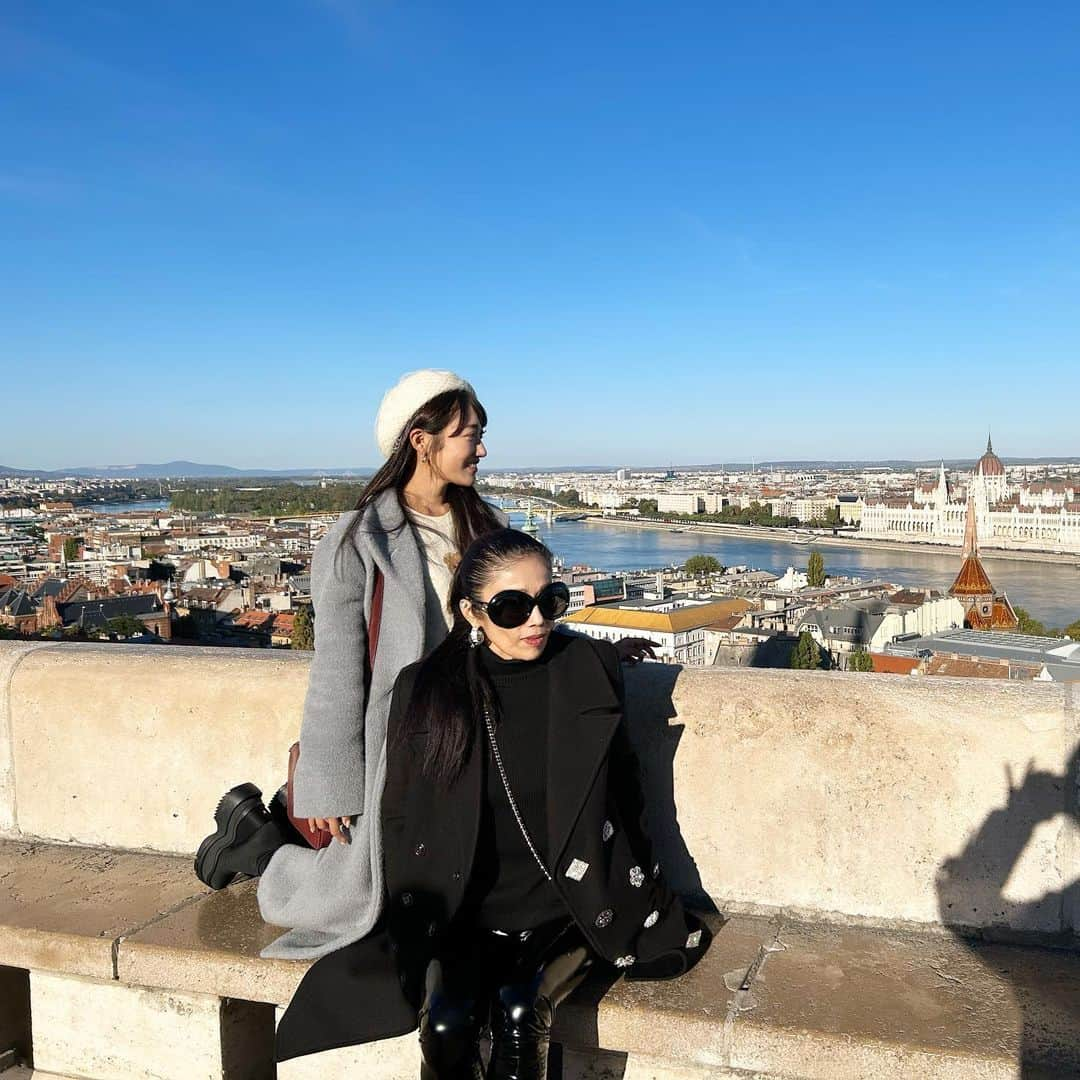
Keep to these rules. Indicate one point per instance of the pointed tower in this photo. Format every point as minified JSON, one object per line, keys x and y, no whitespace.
{"x":990,"y":474}
{"x":941,"y":493}
{"x":984,"y":609}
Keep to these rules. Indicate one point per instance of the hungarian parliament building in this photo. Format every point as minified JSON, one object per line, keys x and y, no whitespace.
{"x":1043,"y":516}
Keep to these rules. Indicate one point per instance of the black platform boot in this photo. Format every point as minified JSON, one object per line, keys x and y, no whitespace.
{"x":279,"y":811}
{"x":245,"y":838}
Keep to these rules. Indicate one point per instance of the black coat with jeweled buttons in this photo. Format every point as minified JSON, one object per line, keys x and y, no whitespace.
{"x":598,"y":849}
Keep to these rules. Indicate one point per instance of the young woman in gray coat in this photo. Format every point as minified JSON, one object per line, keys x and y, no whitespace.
{"x":418,"y":513}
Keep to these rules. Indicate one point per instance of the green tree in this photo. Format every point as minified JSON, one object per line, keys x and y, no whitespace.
{"x":303,"y":628}
{"x":806,"y":656}
{"x":1029,"y":625}
{"x":815,"y":570}
{"x":125,"y":626}
{"x":1073,"y":630}
{"x":647,"y":506}
{"x":71,"y":549}
{"x":701,"y":566}
{"x":860,"y":660}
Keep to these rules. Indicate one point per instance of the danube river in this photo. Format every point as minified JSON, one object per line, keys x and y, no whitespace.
{"x":1049,"y":591}
{"x":136,"y":506}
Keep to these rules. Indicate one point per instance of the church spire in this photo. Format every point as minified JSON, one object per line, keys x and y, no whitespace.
{"x":971,"y":538}
{"x":989,"y":444}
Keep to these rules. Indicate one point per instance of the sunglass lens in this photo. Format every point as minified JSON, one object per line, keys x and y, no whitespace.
{"x":509,"y":609}
{"x":553,"y":600}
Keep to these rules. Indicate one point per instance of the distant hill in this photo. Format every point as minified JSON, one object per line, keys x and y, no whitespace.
{"x":175,"y":470}
{"x":195,"y":470}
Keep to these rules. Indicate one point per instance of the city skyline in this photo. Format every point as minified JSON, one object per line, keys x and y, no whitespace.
{"x":686,"y":234}
{"x":159,"y":470}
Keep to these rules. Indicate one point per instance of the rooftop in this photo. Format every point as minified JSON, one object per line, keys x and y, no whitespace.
{"x":1060,"y":656}
{"x":675,"y":621}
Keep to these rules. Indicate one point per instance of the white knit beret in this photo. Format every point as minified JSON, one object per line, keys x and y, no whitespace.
{"x":400,"y":402}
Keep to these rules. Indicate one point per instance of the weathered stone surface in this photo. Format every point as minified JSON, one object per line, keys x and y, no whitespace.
{"x":132,"y":747}
{"x":106,"y":1031}
{"x":833,"y":1002}
{"x":212,"y":946}
{"x":391,"y":1059}
{"x":12,"y":653}
{"x":878,"y":797}
{"x":609,"y":1065}
{"x":840,"y":1004}
{"x":826,"y":795}
{"x":62,"y":908}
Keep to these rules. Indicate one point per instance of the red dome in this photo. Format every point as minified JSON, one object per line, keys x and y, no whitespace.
{"x":990,"y":464}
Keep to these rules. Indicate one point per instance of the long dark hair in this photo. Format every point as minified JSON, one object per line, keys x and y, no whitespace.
{"x":451,"y":690}
{"x":472,"y":515}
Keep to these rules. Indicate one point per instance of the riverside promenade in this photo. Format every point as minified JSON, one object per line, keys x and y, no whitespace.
{"x":892,"y":867}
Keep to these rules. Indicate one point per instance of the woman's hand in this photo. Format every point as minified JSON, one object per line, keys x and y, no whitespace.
{"x":338,"y":827}
{"x":632,"y":650}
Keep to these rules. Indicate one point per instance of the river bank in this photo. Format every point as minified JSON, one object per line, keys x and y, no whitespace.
{"x":798,"y":540}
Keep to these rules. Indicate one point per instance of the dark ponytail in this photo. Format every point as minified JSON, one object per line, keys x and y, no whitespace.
{"x":451,"y":690}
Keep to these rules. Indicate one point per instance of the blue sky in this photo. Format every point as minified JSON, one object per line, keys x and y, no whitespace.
{"x":648,"y":233}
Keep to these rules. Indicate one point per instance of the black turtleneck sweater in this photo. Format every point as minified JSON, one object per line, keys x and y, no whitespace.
{"x":507,"y":890}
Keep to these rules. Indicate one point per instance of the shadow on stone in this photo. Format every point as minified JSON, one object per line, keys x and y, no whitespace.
{"x":15,"y":1015}
{"x":577,"y":1029}
{"x":650,"y":707}
{"x":971,"y":902}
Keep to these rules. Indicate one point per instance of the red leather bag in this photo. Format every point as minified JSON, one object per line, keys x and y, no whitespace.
{"x":319,"y":838}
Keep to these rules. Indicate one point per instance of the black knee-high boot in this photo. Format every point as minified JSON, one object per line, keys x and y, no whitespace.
{"x":523,"y":1013}
{"x":450,"y":1040}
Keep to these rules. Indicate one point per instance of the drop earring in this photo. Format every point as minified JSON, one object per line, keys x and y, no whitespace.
{"x":476,"y":636}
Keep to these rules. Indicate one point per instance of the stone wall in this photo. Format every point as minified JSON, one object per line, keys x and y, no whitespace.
{"x":839,"y":796}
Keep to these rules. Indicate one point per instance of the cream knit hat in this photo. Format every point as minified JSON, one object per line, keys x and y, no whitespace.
{"x":400,"y":402}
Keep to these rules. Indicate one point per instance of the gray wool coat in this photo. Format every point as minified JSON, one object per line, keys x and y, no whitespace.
{"x":333,"y":897}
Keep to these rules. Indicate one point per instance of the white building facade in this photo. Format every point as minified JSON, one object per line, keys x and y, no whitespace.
{"x":1044,"y":517}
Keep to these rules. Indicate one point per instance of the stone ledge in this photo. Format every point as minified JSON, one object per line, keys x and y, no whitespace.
{"x":824,"y":1002}
{"x":773,"y":997}
{"x":62,"y":909}
{"x":212,"y":947}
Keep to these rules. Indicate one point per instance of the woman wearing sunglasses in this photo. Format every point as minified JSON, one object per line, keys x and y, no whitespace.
{"x":515,"y":855}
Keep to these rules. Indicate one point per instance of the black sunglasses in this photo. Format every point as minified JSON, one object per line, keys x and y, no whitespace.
{"x":512,"y":607}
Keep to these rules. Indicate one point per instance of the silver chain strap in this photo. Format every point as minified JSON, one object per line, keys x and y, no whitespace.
{"x":510,"y":795}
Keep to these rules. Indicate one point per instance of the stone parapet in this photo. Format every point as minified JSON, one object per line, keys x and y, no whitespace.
{"x":879,"y":799}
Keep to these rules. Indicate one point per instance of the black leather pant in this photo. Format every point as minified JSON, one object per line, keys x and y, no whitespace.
{"x":510,"y":982}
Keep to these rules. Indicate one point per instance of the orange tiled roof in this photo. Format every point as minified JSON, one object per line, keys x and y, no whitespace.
{"x":1001,"y":617}
{"x":893,"y":665}
{"x":972,"y":579}
{"x":253,"y":620}
{"x":968,"y":667}
{"x":679,"y":620}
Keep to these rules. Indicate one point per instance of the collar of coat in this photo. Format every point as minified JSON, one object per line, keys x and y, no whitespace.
{"x":396,"y":552}
{"x":584,"y":713}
